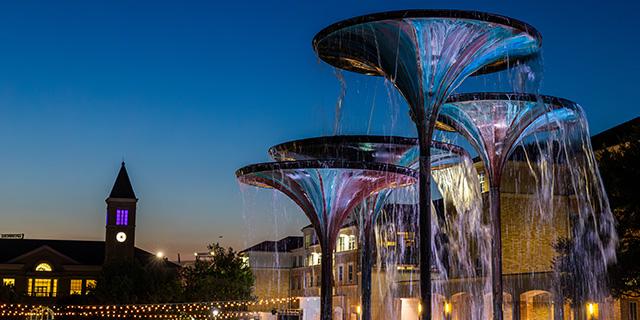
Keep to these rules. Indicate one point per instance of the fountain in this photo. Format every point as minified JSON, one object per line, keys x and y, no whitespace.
{"x":426,"y":54}
{"x":495,"y":124}
{"x":398,"y":151}
{"x":327,"y":191}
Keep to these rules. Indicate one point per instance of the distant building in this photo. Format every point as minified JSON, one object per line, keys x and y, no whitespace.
{"x":271,"y":263}
{"x":44,"y":270}
{"x":527,"y":260}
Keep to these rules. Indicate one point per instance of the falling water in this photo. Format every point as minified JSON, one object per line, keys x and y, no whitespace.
{"x":343,"y":93}
{"x":461,"y":237}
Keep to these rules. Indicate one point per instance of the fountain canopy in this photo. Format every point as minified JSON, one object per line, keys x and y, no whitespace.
{"x":353,"y":44}
{"x":426,"y":54}
{"x":495,"y":123}
{"x":327,"y":190}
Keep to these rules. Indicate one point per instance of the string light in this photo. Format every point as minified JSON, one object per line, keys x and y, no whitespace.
{"x":177,"y":311}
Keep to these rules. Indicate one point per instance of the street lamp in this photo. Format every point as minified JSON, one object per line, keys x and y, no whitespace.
{"x":215,"y":312}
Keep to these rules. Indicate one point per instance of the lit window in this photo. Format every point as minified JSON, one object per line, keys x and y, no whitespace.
{"x":314,"y":259}
{"x":352,"y":242}
{"x":42,"y":287}
{"x":245,"y":262}
{"x":9,"y":282}
{"x":76,"y":286}
{"x":122,"y":217}
{"x":90,"y":284}
{"x":307,"y":240}
{"x":44,"y":267}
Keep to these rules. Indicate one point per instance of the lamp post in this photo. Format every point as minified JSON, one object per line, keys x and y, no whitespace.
{"x":215,"y":312}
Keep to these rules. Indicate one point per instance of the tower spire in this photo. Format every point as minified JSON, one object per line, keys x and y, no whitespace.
{"x":122,"y":188}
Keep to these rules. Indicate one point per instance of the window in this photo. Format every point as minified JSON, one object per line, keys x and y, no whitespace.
{"x":307,"y":240}
{"x":484,"y":186}
{"x":346,"y":243}
{"x":314,"y":259}
{"x":45,"y":267}
{"x":122,"y":217}
{"x":299,"y":284}
{"x":352,"y":242}
{"x":310,"y":280}
{"x":42,"y":287}
{"x":633,"y":310}
{"x":90,"y":284}
{"x":350,"y":273}
{"x":76,"y":286}
{"x":9,"y":282}
{"x":340,"y":273}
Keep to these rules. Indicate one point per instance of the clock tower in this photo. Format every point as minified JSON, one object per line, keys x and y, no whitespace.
{"x":121,"y":220}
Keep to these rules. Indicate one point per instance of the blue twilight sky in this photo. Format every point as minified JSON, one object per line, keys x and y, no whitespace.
{"x":188,"y":91}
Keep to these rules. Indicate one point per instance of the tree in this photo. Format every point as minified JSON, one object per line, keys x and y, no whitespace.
{"x":132,"y":282}
{"x":8,"y":294}
{"x":620,"y":170}
{"x":225,"y":277}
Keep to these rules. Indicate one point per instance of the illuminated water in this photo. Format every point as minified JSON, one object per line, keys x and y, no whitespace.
{"x":523,"y":186}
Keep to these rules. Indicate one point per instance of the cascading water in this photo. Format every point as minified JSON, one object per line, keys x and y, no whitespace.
{"x":468,"y":237}
{"x":535,"y":160}
{"x":327,"y":191}
{"x":426,"y":55}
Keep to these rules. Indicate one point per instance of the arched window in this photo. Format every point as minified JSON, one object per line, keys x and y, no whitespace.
{"x":43,"y":266}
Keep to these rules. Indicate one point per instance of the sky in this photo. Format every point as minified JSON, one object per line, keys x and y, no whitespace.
{"x":186,"y":92}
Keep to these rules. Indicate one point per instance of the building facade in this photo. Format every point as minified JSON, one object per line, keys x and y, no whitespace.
{"x":45,"y":271}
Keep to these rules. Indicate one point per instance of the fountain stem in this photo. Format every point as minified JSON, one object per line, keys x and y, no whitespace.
{"x":424,"y":219}
{"x":326,"y":278}
{"x":366,"y":270}
{"x":496,"y":251}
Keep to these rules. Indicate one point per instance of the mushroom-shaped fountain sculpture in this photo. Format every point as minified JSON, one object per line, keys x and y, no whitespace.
{"x":495,"y":123}
{"x":327,"y":192}
{"x":426,"y":54}
{"x":400,"y":151}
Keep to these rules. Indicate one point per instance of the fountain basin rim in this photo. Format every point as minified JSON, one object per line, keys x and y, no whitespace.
{"x":509,"y":96}
{"x":339,"y":139}
{"x":325,"y":164}
{"x":430,"y":13}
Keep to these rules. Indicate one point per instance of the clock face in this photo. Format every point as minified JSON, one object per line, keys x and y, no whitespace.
{"x":121,"y":237}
